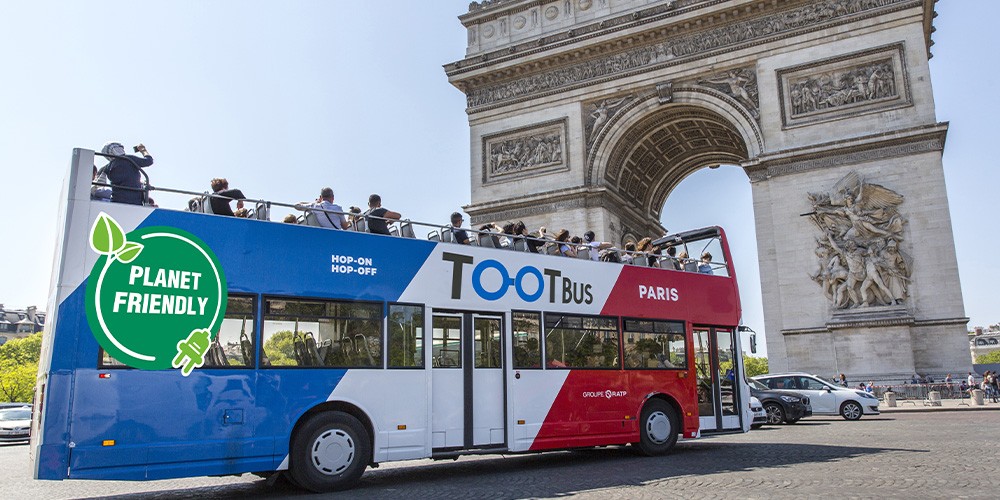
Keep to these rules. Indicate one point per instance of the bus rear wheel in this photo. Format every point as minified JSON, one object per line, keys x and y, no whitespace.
{"x":658,"y":431}
{"x":329,"y":452}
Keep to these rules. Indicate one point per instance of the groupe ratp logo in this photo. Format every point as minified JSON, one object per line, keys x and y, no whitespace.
{"x":608,"y":394}
{"x":528,"y":282}
{"x":155,"y":297}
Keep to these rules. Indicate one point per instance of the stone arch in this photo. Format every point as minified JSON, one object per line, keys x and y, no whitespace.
{"x":648,"y":147}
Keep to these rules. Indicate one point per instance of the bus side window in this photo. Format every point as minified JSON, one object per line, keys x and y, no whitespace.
{"x":406,"y":336}
{"x":655,"y":344}
{"x":322,"y":333}
{"x":526,"y":341}
{"x":233,"y":347}
{"x":581,"y":341}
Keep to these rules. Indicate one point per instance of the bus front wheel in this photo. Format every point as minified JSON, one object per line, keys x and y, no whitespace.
{"x":658,"y":432}
{"x":329,"y":452}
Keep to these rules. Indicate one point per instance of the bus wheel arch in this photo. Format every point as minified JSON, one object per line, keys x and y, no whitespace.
{"x":659,"y":425}
{"x":344,"y":407}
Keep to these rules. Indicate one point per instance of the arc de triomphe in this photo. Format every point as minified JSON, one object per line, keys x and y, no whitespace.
{"x":585,"y":114}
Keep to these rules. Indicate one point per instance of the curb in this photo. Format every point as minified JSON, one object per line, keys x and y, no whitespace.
{"x":938,"y":408}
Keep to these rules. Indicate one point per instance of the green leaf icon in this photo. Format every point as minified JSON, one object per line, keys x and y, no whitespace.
{"x":107,"y":237}
{"x":129,"y":252}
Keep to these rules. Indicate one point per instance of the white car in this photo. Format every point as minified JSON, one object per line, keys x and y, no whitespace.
{"x":759,"y":414}
{"x":15,"y":424}
{"x":825,"y":398}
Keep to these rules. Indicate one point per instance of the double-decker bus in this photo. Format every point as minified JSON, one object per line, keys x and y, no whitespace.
{"x":334,"y":350}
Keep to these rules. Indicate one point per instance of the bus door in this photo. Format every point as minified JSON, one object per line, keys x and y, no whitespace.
{"x":468,"y":409}
{"x":718,"y":395}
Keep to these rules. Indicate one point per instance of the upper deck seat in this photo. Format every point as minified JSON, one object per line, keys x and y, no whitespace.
{"x":552,"y":248}
{"x":447,"y":236}
{"x":486,"y":240}
{"x":406,"y":230}
{"x":394,"y":231}
{"x":310,"y":219}
{"x":520,"y":245}
{"x":361,"y":225}
{"x":434,"y":236}
{"x":583,"y":252}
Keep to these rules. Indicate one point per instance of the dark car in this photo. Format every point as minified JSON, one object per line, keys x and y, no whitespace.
{"x":781,"y":406}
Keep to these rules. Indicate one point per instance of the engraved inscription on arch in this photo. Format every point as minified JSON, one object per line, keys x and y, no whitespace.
{"x":844,"y":86}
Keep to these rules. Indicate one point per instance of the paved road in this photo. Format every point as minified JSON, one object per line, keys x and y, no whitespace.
{"x":913,"y":455}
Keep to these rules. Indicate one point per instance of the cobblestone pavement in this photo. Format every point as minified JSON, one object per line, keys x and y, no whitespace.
{"x":905,"y":455}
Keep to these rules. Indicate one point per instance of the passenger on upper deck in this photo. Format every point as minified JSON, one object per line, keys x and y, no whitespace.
{"x":461,"y":236}
{"x":220,"y":206}
{"x":100,"y":193}
{"x":687,"y":264}
{"x":376,"y":215}
{"x":325,"y":202}
{"x":562,"y":239}
{"x":124,"y":172}
{"x":706,"y":264}
{"x":589,"y":239}
{"x":671,"y":261}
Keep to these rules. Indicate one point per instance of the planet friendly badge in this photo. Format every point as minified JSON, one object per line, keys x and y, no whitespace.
{"x":156,"y":297}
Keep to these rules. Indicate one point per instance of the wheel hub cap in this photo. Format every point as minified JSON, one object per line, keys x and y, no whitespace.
{"x":658,"y":427}
{"x":332,"y":452}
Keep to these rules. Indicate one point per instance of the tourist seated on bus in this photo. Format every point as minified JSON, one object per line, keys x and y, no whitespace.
{"x":290,"y":219}
{"x":507,"y":238}
{"x":329,"y":214}
{"x":460,"y":235}
{"x":671,"y":262}
{"x":590,"y":239}
{"x":687,"y":264}
{"x":705,"y":267}
{"x":376,"y":216}
{"x":565,"y":248}
{"x":645,"y":246}
{"x":100,"y":193}
{"x":125,"y":173}
{"x":223,"y":196}
{"x":492,"y":227}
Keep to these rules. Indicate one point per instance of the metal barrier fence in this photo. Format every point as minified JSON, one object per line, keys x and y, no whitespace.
{"x":920,"y":392}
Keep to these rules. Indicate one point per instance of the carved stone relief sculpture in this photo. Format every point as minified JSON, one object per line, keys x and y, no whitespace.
{"x":525,"y":151}
{"x":598,"y":113}
{"x":844,"y":86}
{"x":740,"y":84}
{"x":860,"y":262}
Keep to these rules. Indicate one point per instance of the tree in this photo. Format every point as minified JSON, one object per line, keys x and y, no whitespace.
{"x":23,"y":350}
{"x":753,"y":365}
{"x":988,"y":358}
{"x":280,"y":349}
{"x":17,"y":381}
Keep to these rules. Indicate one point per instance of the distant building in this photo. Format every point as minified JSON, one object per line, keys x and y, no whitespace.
{"x":19,"y":323}
{"x":984,"y":341}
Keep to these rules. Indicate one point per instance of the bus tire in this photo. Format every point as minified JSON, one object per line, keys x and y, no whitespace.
{"x":657,"y":428}
{"x":329,"y":452}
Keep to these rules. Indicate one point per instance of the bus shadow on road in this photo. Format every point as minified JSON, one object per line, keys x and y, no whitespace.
{"x":555,"y":473}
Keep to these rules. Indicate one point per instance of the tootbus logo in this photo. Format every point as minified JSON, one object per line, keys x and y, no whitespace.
{"x":528,"y":282}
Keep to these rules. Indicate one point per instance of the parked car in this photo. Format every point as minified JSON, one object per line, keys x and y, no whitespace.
{"x":759,"y":415}
{"x":782,"y":407}
{"x":15,"y":424}
{"x":824,"y":397}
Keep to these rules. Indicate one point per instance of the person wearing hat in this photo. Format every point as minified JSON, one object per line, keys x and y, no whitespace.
{"x":461,"y":237}
{"x":330,"y":214}
{"x":125,"y":173}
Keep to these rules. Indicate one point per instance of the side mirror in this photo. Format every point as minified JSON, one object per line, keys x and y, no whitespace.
{"x":753,"y":343}
{"x":828,"y":389}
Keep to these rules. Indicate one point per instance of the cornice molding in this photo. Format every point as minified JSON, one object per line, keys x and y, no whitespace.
{"x":660,"y":48}
{"x":848,"y":152}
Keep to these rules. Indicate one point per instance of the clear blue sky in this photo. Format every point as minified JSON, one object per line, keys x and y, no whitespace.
{"x":286,"y":97}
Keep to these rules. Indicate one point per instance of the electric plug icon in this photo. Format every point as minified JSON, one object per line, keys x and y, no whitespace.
{"x":191,"y":351}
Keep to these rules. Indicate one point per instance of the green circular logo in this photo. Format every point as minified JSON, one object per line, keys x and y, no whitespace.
{"x":156,"y":298}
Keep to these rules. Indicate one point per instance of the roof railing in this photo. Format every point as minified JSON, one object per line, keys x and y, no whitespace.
{"x":200,"y":202}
